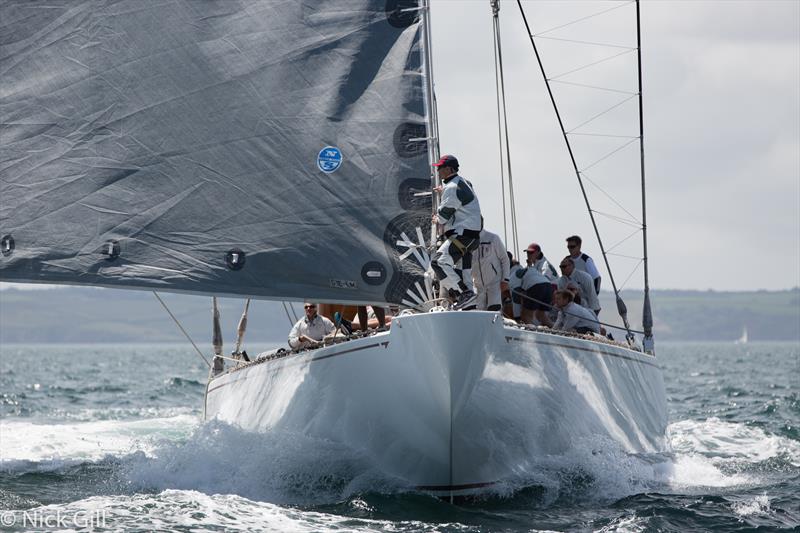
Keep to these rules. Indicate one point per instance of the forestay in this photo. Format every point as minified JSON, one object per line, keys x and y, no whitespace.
{"x":235,"y":147}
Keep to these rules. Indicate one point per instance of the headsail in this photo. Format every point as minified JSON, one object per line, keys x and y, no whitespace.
{"x":239,"y":148}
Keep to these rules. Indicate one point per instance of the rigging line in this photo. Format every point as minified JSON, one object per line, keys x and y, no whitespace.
{"x":605,"y":135}
{"x":625,"y":239}
{"x":551,"y":306}
{"x":627,"y":256}
{"x":577,"y":20}
{"x":511,"y":199}
{"x":593,"y":43}
{"x":574,"y":163}
{"x":613,"y":107}
{"x":582,"y":18}
{"x":593,"y":63}
{"x":286,"y":310}
{"x":203,"y":357}
{"x":631,"y":274}
{"x":609,"y":155}
{"x":609,"y":89}
{"x":607,"y":195}
{"x":499,"y":129}
{"x":619,"y":219}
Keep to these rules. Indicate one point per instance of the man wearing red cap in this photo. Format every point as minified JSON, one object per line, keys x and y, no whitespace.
{"x":460,"y":214}
{"x":537,"y":260}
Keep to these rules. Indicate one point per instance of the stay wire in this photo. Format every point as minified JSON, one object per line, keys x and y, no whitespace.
{"x":499,"y":130}
{"x":286,"y":310}
{"x":580,"y":19}
{"x":203,"y":357}
{"x":551,"y":306}
{"x":499,"y":70}
{"x":572,"y":158}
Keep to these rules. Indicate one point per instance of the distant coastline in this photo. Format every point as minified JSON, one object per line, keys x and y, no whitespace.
{"x":86,"y":315}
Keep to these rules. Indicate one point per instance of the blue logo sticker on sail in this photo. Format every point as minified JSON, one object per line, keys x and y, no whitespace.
{"x":329,"y":159}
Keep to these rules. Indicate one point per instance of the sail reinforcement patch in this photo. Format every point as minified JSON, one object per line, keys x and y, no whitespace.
{"x":374,"y":273}
{"x":235,"y":259}
{"x":402,"y":13}
{"x":110,"y":250}
{"x":410,"y":139}
{"x":7,"y":245}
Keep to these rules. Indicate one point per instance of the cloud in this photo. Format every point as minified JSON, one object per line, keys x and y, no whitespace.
{"x":722,"y":131}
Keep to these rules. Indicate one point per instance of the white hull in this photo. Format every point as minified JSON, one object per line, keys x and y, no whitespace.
{"x":431,"y":399}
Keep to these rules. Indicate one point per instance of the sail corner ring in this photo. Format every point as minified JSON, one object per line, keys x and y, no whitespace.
{"x":235,"y":259}
{"x":7,"y":245}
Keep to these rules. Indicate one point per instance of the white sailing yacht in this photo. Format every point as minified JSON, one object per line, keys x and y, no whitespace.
{"x":743,"y":338}
{"x":282,"y":150}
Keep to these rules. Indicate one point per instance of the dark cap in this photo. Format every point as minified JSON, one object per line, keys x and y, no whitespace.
{"x":447,"y":161}
{"x":533,"y":247}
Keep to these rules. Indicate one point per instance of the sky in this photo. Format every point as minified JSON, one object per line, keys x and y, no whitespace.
{"x":721,"y":96}
{"x":721,"y":93}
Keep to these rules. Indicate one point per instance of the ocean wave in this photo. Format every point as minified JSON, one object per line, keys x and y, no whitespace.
{"x":196,"y":511}
{"x":757,"y":505}
{"x":722,"y":440}
{"x":276,"y":466}
{"x":26,"y":444}
{"x":180,"y":452}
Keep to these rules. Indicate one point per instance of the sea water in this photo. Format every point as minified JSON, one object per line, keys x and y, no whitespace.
{"x":110,"y":438}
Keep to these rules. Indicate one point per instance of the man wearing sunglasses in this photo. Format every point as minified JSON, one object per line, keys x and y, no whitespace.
{"x":582,"y":261}
{"x":311,"y":329}
{"x":572,"y":277}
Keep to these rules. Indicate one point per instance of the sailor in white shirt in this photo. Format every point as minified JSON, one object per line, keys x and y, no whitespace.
{"x":535,"y":295}
{"x":490,"y":271}
{"x":541,"y":263}
{"x":460,"y":214}
{"x":572,"y":276}
{"x":583,"y":261}
{"x":311,"y":329}
{"x":574,"y":317}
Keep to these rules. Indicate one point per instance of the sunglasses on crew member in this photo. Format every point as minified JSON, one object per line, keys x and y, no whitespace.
{"x":571,"y":246}
{"x":309,"y":307}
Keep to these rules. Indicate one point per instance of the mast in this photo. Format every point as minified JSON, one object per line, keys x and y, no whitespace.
{"x":647,"y":315}
{"x":431,"y":116}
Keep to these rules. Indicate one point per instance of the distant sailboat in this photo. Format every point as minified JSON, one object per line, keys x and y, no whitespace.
{"x":743,"y":338}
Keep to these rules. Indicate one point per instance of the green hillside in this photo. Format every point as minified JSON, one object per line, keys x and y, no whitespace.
{"x":76,"y":314}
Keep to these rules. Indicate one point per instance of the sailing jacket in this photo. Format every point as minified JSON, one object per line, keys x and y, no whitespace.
{"x":546,"y":267}
{"x":459,"y":208}
{"x":490,"y":264}
{"x":575,"y":316}
{"x":585,"y":263}
{"x":583,"y":281}
{"x":530,"y":277}
{"x":315,"y":329}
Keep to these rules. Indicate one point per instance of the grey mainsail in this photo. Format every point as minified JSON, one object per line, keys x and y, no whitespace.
{"x":232,"y":147}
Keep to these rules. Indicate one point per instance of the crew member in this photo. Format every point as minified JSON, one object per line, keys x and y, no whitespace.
{"x":573,"y":317}
{"x":582,"y":261}
{"x":490,"y":271}
{"x":460,"y":213}
{"x":311,"y":329}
